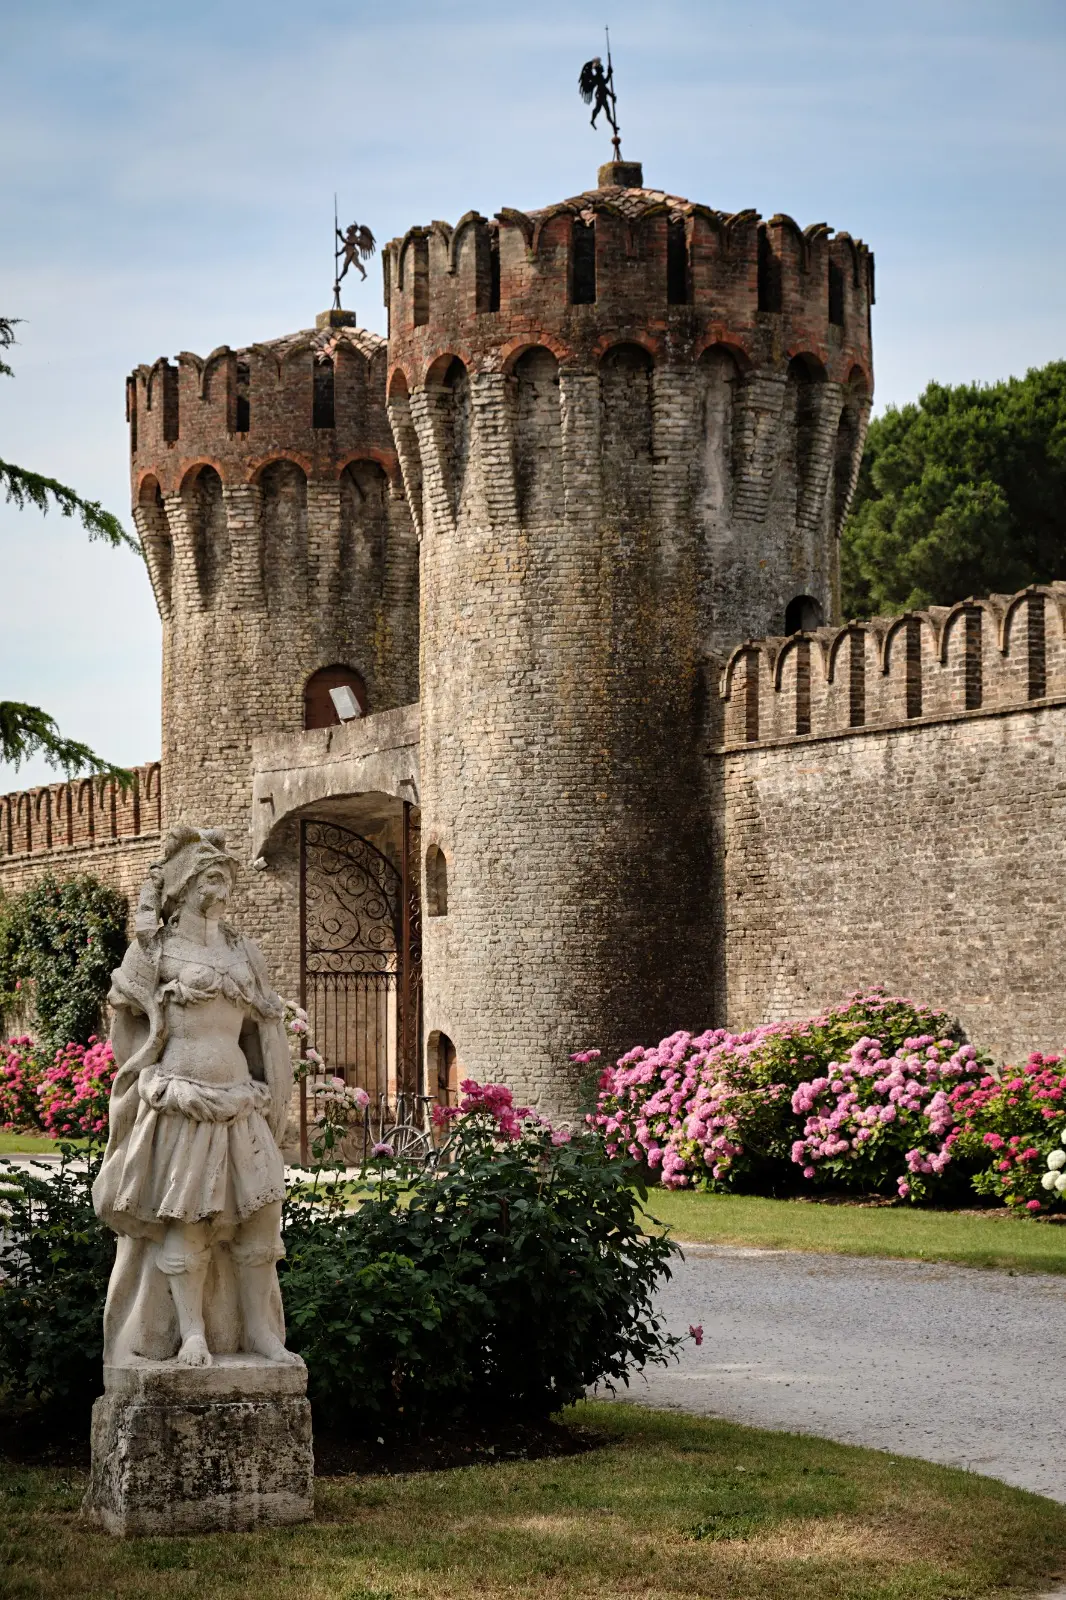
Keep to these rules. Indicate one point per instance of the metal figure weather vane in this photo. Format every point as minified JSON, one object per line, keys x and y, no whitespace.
{"x":354,"y":246}
{"x":596,"y":86}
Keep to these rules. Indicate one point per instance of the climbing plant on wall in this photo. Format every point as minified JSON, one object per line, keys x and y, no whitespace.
{"x":59,"y":941}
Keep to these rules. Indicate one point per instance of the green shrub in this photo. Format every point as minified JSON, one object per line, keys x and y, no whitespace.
{"x":59,"y":942}
{"x":505,"y":1281}
{"x":55,"y":1260}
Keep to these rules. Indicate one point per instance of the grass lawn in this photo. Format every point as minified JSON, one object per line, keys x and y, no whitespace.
{"x":669,"y":1506}
{"x":18,"y":1144}
{"x":1002,"y":1240}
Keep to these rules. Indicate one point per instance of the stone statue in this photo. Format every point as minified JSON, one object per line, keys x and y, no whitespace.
{"x":192,"y":1180}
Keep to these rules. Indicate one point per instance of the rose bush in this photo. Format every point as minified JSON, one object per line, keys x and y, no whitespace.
{"x":65,"y":1096}
{"x":75,"y":1091}
{"x":21,"y":1069}
{"x":1009,"y":1123}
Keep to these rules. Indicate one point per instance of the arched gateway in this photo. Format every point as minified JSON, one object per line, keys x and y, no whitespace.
{"x":360,"y":959}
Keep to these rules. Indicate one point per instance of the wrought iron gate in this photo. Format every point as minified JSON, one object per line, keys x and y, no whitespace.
{"x":360,"y":959}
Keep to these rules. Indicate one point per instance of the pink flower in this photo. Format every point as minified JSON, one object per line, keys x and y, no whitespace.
{"x":696,"y":1330}
{"x":382,"y":1148}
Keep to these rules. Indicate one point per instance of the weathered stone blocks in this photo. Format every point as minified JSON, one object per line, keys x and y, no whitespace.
{"x":180,"y":1450}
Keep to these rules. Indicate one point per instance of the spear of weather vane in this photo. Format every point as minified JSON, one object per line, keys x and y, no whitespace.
{"x":336,"y":259}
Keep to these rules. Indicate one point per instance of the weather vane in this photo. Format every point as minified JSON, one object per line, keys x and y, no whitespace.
{"x":356,"y":245}
{"x":597,"y":85}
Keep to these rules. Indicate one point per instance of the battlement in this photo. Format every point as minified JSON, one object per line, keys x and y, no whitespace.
{"x":978,"y":655}
{"x":627,"y":262}
{"x":80,"y":813}
{"x":317,"y":397}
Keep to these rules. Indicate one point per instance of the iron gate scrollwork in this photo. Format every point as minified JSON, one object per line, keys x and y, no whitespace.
{"x":361,"y":959}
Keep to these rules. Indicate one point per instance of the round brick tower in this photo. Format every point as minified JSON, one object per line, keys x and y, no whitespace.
{"x":269,"y":503}
{"x":629,"y":427}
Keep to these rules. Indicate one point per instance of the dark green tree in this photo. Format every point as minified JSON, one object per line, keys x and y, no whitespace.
{"x":27,"y":730}
{"x":963,"y":493}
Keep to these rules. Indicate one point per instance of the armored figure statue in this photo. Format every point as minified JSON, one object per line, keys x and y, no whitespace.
{"x":192,"y":1180}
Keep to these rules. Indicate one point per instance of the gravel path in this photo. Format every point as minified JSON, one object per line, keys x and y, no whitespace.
{"x":953,"y":1364}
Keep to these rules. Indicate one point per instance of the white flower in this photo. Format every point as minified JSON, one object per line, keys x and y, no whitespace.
{"x":1048,"y":1181}
{"x":1056,"y":1159}
{"x":1064,"y":1135}
{"x":1060,"y":1182}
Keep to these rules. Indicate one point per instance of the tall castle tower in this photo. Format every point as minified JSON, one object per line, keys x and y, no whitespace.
{"x":629,"y":428}
{"x":268,"y":499}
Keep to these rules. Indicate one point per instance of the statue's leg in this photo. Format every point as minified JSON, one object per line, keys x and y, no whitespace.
{"x":255,"y":1250}
{"x":185,"y":1258}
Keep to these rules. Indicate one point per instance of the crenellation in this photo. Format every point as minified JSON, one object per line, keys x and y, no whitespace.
{"x":978,"y":655}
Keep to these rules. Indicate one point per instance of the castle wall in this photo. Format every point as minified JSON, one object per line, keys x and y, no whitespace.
{"x":923,"y":850}
{"x":84,"y":825}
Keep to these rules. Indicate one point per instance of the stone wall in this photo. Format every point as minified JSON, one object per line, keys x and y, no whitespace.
{"x":923,"y":850}
{"x":84,"y":825}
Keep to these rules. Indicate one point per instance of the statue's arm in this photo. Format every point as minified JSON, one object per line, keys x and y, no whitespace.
{"x":129,"y":1030}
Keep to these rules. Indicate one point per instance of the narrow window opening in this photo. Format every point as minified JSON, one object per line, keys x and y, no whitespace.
{"x":836,"y":294}
{"x":494,"y":271}
{"x":914,"y":667}
{"x":676,"y":264}
{"x":323,"y":408}
{"x":420,"y":283}
{"x":751,"y":697}
{"x":803,"y":687}
{"x":1036,"y":643}
{"x":447,"y":1071}
{"x":769,"y":275}
{"x":972,"y":658}
{"x":242,"y":419}
{"x":857,"y":681}
{"x":436,"y":882}
{"x":583,"y":264}
{"x":131,"y":412}
{"x":170,"y":404}
{"x":803,"y":614}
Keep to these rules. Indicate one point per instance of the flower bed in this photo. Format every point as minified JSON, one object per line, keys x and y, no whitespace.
{"x":876,"y":1095}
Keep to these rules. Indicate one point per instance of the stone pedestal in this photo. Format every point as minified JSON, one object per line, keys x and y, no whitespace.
{"x":200,"y":1449}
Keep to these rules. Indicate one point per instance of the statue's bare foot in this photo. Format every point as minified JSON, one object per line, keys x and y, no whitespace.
{"x":194,"y":1352}
{"x":269,"y":1345}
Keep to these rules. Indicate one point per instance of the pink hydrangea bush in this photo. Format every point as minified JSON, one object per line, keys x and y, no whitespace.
{"x":877,"y":1119}
{"x":715,"y":1110}
{"x":21,"y":1068}
{"x":75,"y":1091}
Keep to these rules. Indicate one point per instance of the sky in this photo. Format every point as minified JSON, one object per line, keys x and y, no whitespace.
{"x":168,"y":182}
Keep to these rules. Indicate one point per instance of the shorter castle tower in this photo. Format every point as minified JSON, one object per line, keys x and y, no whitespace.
{"x":269,"y":502}
{"x":630,"y":427}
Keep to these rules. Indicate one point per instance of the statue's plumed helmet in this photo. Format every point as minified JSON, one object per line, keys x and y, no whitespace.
{"x":186,"y":853}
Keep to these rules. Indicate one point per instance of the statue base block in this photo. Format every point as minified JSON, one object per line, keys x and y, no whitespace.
{"x":180,"y":1450}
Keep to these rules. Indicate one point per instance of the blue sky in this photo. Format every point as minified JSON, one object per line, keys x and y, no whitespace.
{"x":168,"y":185}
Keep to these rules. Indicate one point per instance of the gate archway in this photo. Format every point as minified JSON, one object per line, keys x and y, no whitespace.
{"x":360,"y":958}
